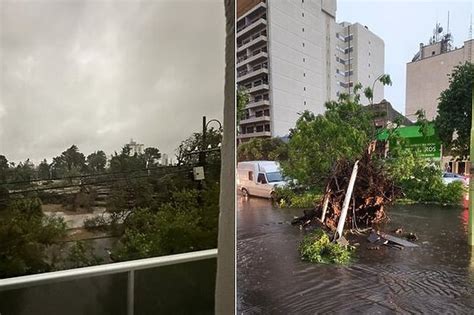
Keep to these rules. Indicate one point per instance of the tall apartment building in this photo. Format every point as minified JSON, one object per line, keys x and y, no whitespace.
{"x":360,"y":58}
{"x":428,"y":73}
{"x":293,"y":56}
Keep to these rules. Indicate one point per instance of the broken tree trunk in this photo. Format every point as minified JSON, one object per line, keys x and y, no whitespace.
{"x":372,"y":192}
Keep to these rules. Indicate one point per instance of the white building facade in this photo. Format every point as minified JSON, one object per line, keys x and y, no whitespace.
{"x":290,"y":58}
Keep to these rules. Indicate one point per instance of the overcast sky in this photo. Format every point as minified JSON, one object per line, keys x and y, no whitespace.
{"x":97,"y":73}
{"x":403,"y":25}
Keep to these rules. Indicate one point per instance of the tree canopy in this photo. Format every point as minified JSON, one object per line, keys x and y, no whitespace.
{"x":342,"y":132}
{"x":273,"y":149}
{"x":453,"y":122}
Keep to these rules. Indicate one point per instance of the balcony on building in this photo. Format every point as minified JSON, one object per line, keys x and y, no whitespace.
{"x":175,"y":284}
{"x":253,"y":23}
{"x":254,"y":119}
{"x":261,"y":134}
{"x":251,"y":41}
{"x":255,"y":13}
{"x":256,"y":56}
{"x":252,"y":73}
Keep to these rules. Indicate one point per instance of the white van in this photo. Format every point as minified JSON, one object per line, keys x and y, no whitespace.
{"x":259,"y":178}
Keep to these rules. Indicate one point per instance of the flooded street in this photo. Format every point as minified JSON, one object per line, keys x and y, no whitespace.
{"x":436,"y":277}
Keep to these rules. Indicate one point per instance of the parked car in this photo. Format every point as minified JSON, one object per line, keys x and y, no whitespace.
{"x":259,"y":178}
{"x":452,"y":177}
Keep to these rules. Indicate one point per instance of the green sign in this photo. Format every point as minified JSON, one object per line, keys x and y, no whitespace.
{"x":428,"y":149}
{"x":428,"y":145}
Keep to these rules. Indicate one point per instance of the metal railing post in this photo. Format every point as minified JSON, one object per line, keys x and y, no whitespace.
{"x":130,"y":292}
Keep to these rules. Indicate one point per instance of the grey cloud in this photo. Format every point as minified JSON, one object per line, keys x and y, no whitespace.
{"x":97,"y":73}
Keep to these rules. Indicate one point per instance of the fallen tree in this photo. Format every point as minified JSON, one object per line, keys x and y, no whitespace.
{"x":373,"y":191}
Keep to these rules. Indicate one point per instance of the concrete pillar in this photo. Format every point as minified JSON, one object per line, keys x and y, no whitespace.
{"x":225,"y":281}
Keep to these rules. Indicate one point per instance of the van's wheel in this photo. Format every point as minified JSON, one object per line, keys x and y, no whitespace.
{"x":245,"y":193}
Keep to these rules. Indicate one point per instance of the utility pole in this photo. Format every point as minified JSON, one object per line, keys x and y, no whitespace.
{"x":470,"y":232}
{"x":202,"y":154}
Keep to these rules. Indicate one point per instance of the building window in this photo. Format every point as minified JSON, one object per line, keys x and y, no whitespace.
{"x":304,"y":88}
{"x":302,"y":14}
{"x":267,"y":127}
{"x":304,"y":74}
{"x":302,"y":29}
{"x":432,"y":53}
{"x":303,"y":44}
{"x":259,"y":128}
{"x":266,"y":112}
{"x":304,"y":59}
{"x":369,"y":53}
{"x":249,"y":129}
{"x":304,"y":103}
{"x":369,"y":65}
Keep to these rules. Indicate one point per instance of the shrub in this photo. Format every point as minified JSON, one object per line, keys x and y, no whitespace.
{"x":95,"y":223}
{"x":316,"y":247}
{"x":290,"y":197}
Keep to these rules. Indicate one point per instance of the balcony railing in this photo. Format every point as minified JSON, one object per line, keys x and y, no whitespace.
{"x":252,"y":40}
{"x":257,"y":134}
{"x":11,"y":288}
{"x":259,"y":22}
{"x":253,"y":119}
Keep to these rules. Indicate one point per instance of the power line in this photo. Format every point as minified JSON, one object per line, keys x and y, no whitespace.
{"x":88,"y":175}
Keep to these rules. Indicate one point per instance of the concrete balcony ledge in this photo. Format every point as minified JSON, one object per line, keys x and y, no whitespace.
{"x":258,"y":88}
{"x":252,"y":43}
{"x":254,"y":120}
{"x":252,"y":74}
{"x":258,"y":104}
{"x":252,"y":26}
{"x":260,"y":55}
{"x":261,"y":5}
{"x":255,"y":135}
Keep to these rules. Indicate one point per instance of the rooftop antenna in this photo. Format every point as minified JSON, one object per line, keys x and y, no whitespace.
{"x":447,"y":30}
{"x":470,"y":29}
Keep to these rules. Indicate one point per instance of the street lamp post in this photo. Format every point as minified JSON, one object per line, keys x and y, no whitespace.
{"x":205,"y":124}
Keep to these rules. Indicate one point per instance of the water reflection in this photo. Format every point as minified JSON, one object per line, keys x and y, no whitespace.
{"x":435,"y":277}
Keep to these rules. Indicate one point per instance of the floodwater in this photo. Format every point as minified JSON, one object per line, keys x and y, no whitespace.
{"x":436,"y":277}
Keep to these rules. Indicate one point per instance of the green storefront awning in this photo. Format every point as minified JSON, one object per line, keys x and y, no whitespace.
{"x":409,"y":132}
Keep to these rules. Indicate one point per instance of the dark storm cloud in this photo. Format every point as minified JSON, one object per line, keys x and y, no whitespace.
{"x":97,"y":73}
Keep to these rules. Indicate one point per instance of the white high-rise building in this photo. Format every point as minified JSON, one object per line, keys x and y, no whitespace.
{"x":293,"y":56}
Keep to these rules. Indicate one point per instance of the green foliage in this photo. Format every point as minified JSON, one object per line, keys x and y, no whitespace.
{"x":242,"y":100}
{"x":70,"y":163}
{"x":273,"y":149}
{"x":81,"y":254}
{"x":97,"y":161}
{"x":421,"y":180}
{"x":151,"y":156}
{"x":289,"y":197}
{"x":3,"y":168}
{"x":453,"y":122}
{"x":95,"y":223}
{"x":25,"y":234}
{"x":343,"y":131}
{"x":182,"y":224}
{"x":213,"y":138}
{"x":44,"y":170}
{"x":316,"y":247}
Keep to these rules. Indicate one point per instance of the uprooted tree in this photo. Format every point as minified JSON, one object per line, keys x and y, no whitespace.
{"x":373,"y":191}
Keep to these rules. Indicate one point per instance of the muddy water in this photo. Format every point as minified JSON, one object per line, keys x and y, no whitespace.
{"x":437,"y":277}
